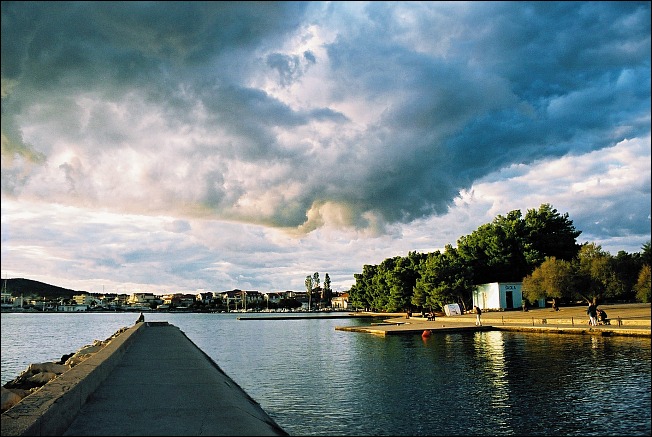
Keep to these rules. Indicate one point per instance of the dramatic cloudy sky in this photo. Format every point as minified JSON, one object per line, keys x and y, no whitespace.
{"x":173,"y":147}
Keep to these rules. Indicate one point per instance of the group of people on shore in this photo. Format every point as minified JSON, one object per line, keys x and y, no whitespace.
{"x":596,"y":315}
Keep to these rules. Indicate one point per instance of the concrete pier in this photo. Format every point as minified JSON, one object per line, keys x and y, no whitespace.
{"x":150,"y":380}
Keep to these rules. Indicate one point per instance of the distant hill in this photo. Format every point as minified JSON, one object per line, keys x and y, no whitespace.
{"x":26,"y":287}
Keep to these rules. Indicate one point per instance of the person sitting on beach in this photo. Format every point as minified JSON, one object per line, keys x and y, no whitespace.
{"x":602,"y":318}
{"x":141,"y":318}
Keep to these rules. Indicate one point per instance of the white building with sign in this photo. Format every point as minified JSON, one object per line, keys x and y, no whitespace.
{"x":498,"y":296}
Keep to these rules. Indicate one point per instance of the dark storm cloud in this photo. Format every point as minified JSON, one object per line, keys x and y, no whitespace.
{"x":252,"y":116}
{"x":527,"y":81}
{"x":445,"y":94}
{"x":59,"y":42}
{"x":52,"y":51}
{"x":288,"y":67}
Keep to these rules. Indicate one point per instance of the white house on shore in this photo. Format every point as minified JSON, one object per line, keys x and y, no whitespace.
{"x":340,"y":302}
{"x":498,"y":296}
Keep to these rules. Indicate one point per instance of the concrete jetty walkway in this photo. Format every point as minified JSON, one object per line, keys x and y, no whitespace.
{"x":154,"y":381}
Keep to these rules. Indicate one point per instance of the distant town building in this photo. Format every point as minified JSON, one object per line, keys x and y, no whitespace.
{"x":87,"y":299}
{"x":340,"y":302}
{"x":273,"y":298}
{"x":143,"y":301}
{"x":240,"y":299}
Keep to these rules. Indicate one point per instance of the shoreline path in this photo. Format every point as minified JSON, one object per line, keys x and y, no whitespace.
{"x":626,"y":319}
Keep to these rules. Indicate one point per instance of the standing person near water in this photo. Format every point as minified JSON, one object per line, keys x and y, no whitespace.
{"x":478,"y":313}
{"x":592,"y":311}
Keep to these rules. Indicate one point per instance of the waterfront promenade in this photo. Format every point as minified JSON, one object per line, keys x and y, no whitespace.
{"x":150,"y":380}
{"x":626,"y":320}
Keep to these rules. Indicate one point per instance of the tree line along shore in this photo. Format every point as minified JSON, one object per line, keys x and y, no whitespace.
{"x":538,"y":250}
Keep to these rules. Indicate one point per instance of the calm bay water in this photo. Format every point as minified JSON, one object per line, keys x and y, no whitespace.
{"x":314,"y":380}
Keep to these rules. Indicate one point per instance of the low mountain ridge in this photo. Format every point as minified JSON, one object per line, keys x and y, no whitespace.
{"x":27,"y":287}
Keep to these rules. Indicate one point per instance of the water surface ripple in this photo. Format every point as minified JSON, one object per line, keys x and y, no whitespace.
{"x":314,"y":380}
